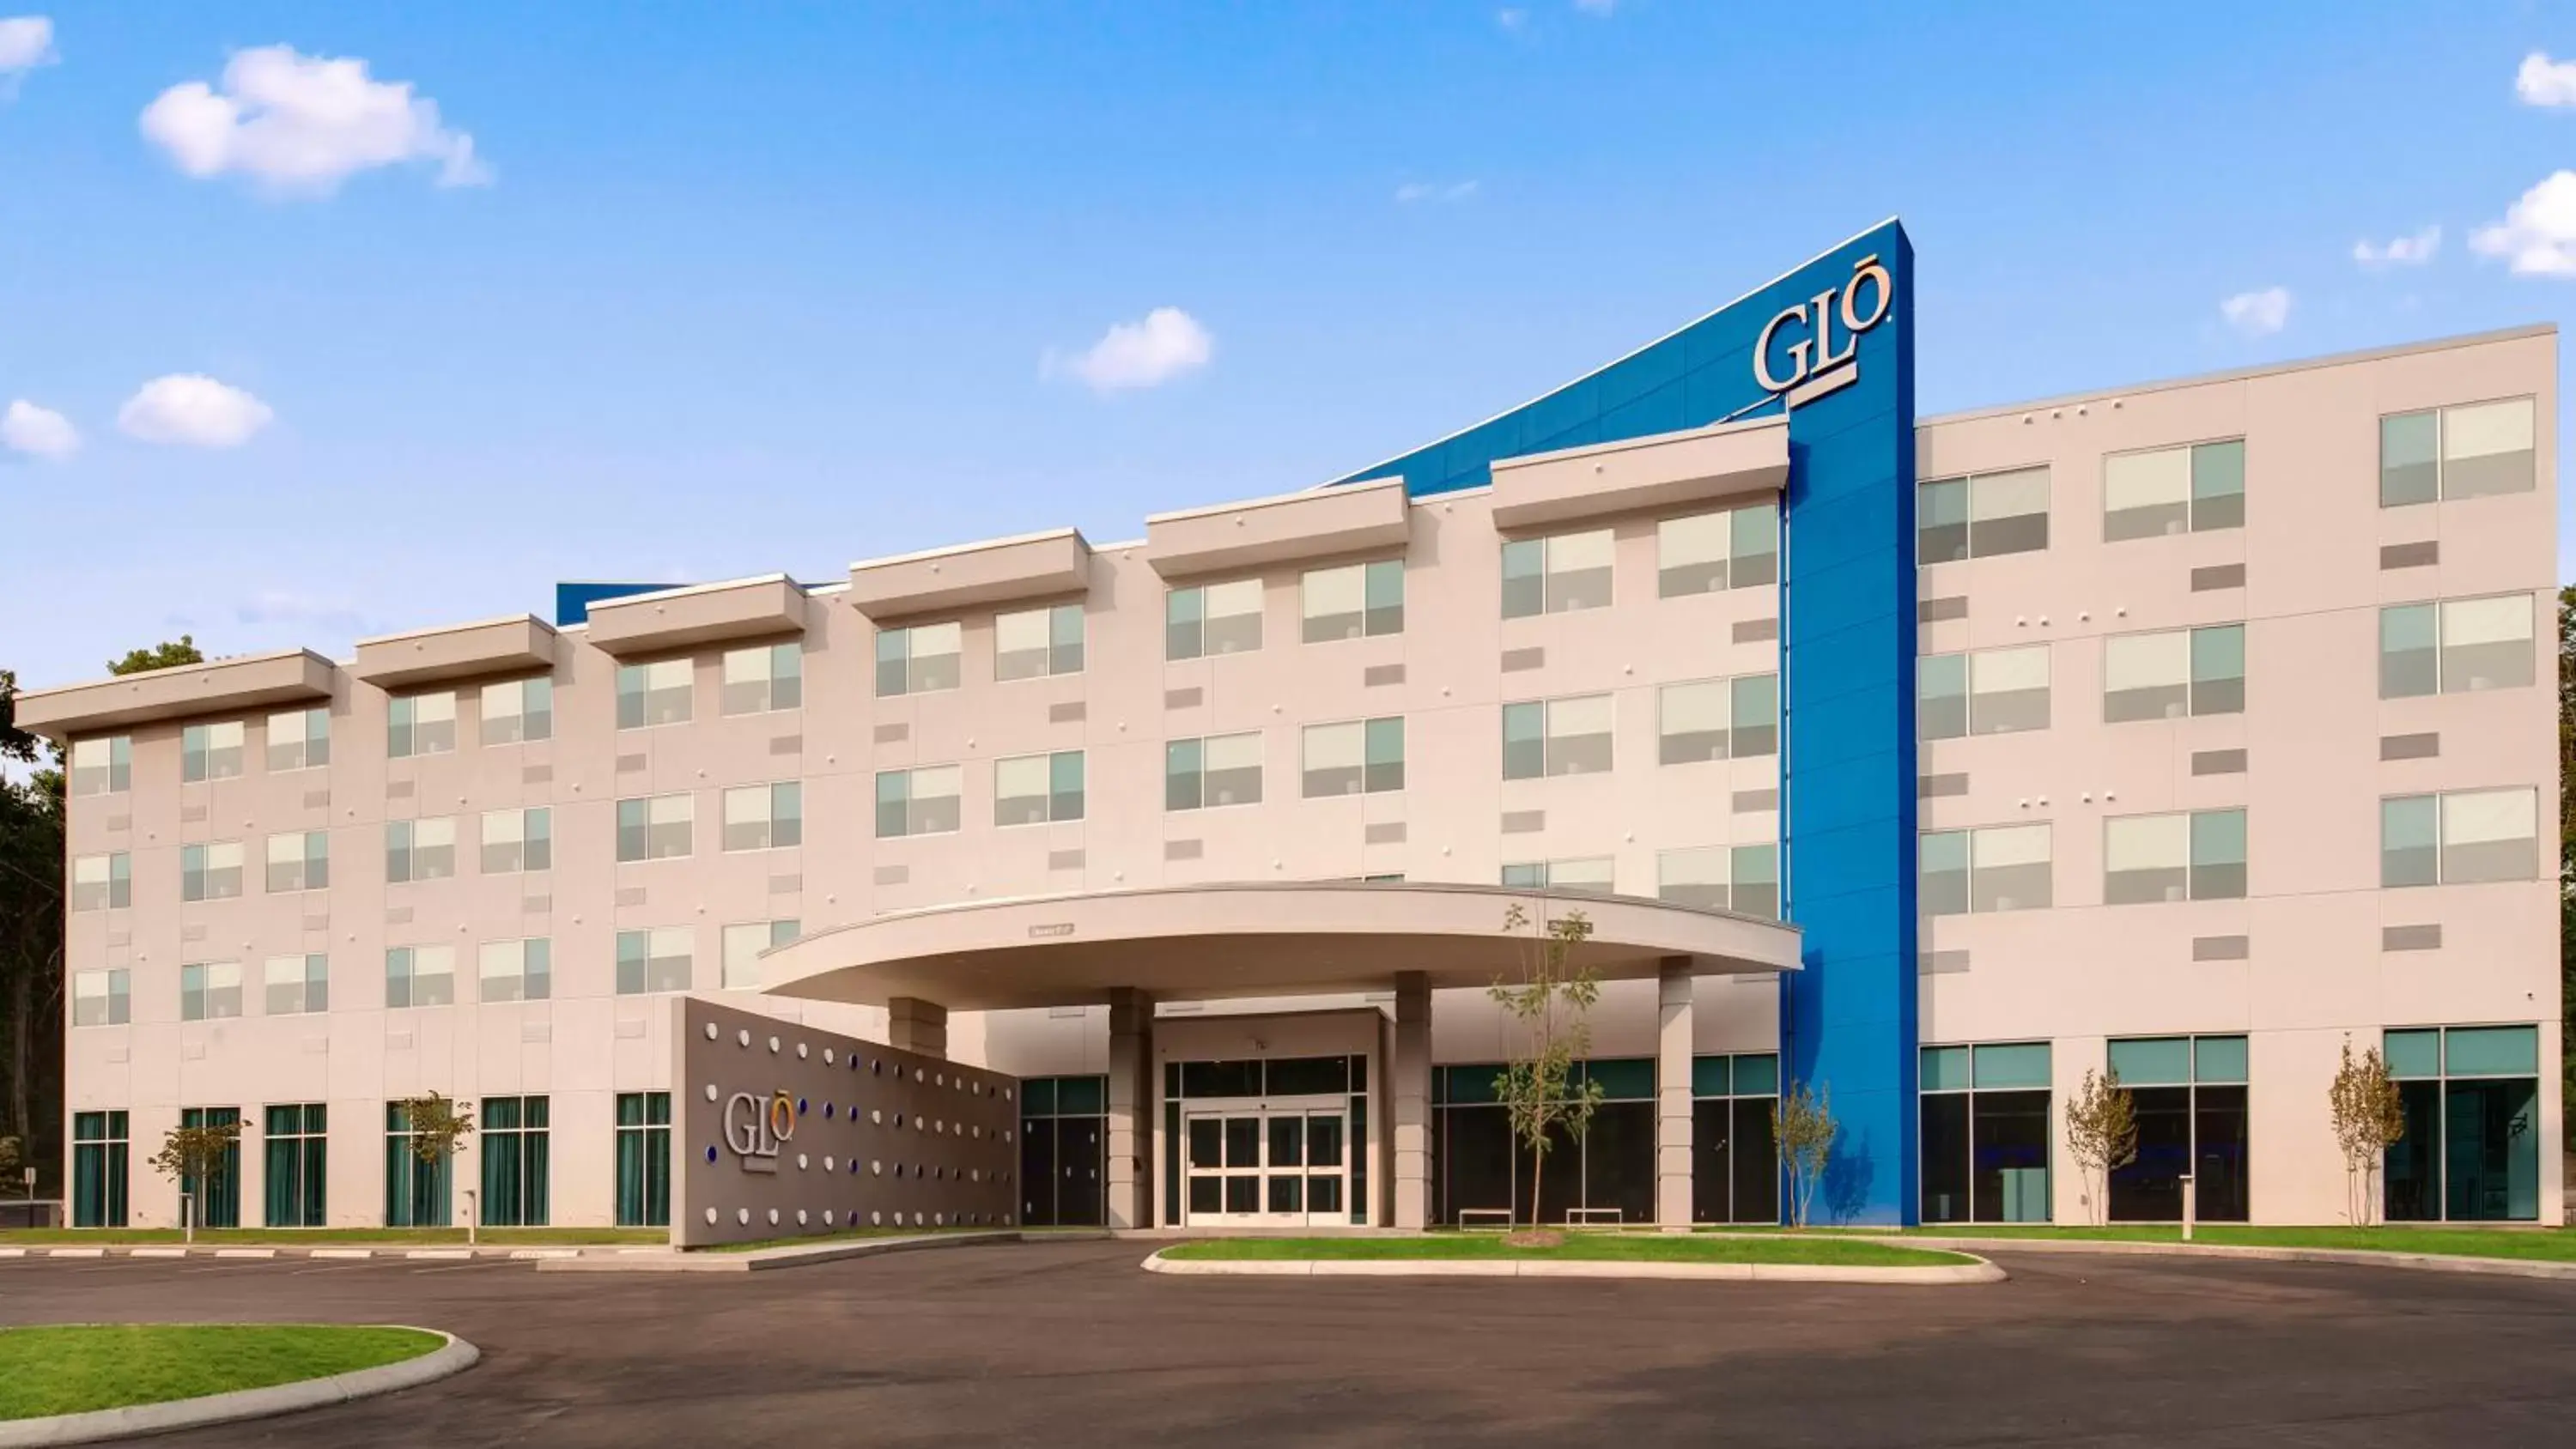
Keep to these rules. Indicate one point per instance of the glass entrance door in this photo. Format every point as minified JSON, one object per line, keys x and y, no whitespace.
{"x":1267,"y":1167}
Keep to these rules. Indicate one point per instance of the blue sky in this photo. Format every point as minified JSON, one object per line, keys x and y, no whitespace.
{"x":696,"y":291}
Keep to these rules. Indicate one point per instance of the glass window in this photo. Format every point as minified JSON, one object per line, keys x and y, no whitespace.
{"x":1690,"y":722}
{"x":297,"y":1153}
{"x":420,"y":724}
{"x":1207,"y":619}
{"x":1354,"y":757}
{"x":1981,"y":516}
{"x":1996,"y":868}
{"x":1740,"y":878}
{"x":1554,"y":575}
{"x":2471,"y":1151}
{"x":517,"y":1166}
{"x":102,"y":882}
{"x":2173,"y":673}
{"x":1994,"y":691}
{"x":210,"y":751}
{"x":923,"y":659}
{"x":764,"y":817}
{"x":101,"y":998}
{"x":102,"y":766}
{"x":299,"y":739}
{"x":763,"y":679}
{"x":420,"y":976}
{"x":209,"y":990}
{"x":98,"y":1169}
{"x":1033,"y":643}
{"x":650,"y":695}
{"x":1984,"y":1133}
{"x":1569,"y":736}
{"x":742,"y":947}
{"x":210,"y":872}
{"x":518,"y":711}
{"x":518,"y":840}
{"x":516,"y":970}
{"x":299,"y":862}
{"x":420,"y":850}
{"x":643,"y":1159}
{"x":2173,"y":490}
{"x":918,"y":802}
{"x":2195,"y":856}
{"x":1037,"y":789}
{"x":660,"y":827}
{"x":2456,"y":452}
{"x":1354,"y":600}
{"x":296,"y":984}
{"x":655,"y":960}
{"x":2410,"y":469}
{"x":2456,"y":646}
{"x":2459,"y":838}
{"x":1593,"y":873}
{"x":1211,"y":772}
{"x":1705,"y":552}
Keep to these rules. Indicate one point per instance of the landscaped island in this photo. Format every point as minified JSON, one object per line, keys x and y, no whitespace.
{"x":82,"y":1368}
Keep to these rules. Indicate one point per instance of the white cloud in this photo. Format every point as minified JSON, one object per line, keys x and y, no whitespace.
{"x":38,"y":432}
{"x":2545,"y":82}
{"x":1512,"y":18}
{"x":285,"y":606}
{"x":1161,"y":346}
{"x":304,"y":123}
{"x":1419,"y":191}
{"x":2538,"y":234}
{"x":26,"y":42}
{"x":2257,"y":314}
{"x":2403,"y":251}
{"x":192,"y":410}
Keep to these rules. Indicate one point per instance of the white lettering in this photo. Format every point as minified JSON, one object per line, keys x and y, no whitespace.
{"x":1815,"y":353}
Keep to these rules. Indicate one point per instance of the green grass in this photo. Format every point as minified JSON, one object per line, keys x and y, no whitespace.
{"x":1578,"y":1247}
{"x":77,"y":1369}
{"x":2551,"y":1245}
{"x":325,"y":1237}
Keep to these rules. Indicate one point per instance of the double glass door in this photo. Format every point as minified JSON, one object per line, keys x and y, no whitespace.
{"x":1268,"y":1165}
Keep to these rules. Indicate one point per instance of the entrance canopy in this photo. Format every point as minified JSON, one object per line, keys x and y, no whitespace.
{"x":1214,"y":941}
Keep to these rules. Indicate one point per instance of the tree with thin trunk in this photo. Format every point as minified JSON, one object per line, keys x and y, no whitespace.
{"x":439,"y":1125}
{"x":193,"y":1157}
{"x":2102,"y":1136}
{"x":1551,"y":1005}
{"x":1803,"y":1125}
{"x":2369,"y":1118}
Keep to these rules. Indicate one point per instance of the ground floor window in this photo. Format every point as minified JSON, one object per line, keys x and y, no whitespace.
{"x":98,"y":1169}
{"x":515,"y":1162}
{"x":1064,"y":1132}
{"x":1735,"y":1164}
{"x":416,"y":1193}
{"x":217,"y":1200}
{"x":2189,"y":1093}
{"x":643,"y":1159}
{"x":1608,"y":1175}
{"x":1985,"y":1134}
{"x":2471,"y":1152}
{"x":295,"y":1164}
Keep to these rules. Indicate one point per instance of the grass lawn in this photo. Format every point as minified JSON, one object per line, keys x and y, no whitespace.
{"x":2555,"y":1245}
{"x":326,"y":1237}
{"x":1582,"y":1247}
{"x":74,"y":1370}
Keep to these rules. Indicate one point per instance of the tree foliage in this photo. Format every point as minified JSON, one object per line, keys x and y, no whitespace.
{"x":196,"y":1155}
{"x":2101,"y":1135}
{"x":439,"y":1124}
{"x":1551,"y":1003}
{"x":1803,"y":1126}
{"x":168,"y":654}
{"x":2369,"y":1118}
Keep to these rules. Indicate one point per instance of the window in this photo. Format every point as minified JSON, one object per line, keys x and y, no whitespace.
{"x":102,"y":998}
{"x":1031,"y":789}
{"x":655,"y":960}
{"x":1740,"y":878}
{"x":299,"y":862}
{"x":209,"y":990}
{"x":1997,"y":868}
{"x":420,"y":976}
{"x":210,"y":751}
{"x":651,"y":695}
{"x":210,"y":872}
{"x":420,"y":849}
{"x":518,"y":840}
{"x":2189,"y":1097}
{"x":764,"y":817}
{"x":1477,"y":1164}
{"x":1990,"y":692}
{"x":1063,"y":1127}
{"x":1033,"y":643}
{"x":297,"y":1139}
{"x":217,"y":1200}
{"x":299,"y":739}
{"x":2455,"y":647}
{"x":1354,"y":600}
{"x":1713,"y":719}
{"x":2173,"y":490}
{"x":1556,"y":737}
{"x":421,"y":724}
{"x":1985,"y":1137}
{"x":1705,"y":552}
{"x":2458,"y":838}
{"x":2471,"y":1096}
{"x":1979,"y":517}
{"x":643,"y":1159}
{"x":416,"y":1192}
{"x":1735,"y":1162}
{"x":2457,"y":452}
{"x":515,"y":970}
{"x":1554,"y":575}
{"x":2199,"y":856}
{"x":295,"y":985}
{"x":919,"y":802}
{"x":519,"y":711}
{"x":743,"y":945}
{"x":1212,"y":619}
{"x":515,"y":1162}
{"x":919,"y":660}
{"x":2173,"y":673}
{"x":763,"y":680}
{"x":103,"y":882}
{"x":1203,"y":774}
{"x":1354,"y":758}
{"x":661,"y":827}
{"x":99,"y":1149}
{"x":102,"y":767}
{"x":1593,"y":873}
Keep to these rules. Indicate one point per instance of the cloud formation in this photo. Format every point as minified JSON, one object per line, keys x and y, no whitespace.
{"x":2403,"y":251}
{"x":192,"y":410}
{"x":1413,"y":192}
{"x":2537,"y":237}
{"x":302,"y":124}
{"x":286,"y":606}
{"x":26,"y":42}
{"x":1512,"y":17}
{"x":2545,"y":82}
{"x":1149,"y":352}
{"x":38,"y":432}
{"x":2257,"y":314}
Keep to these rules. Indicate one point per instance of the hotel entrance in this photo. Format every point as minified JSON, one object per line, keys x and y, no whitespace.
{"x":1268,"y":1164}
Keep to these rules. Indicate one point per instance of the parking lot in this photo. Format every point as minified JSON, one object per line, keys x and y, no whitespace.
{"x":1066,"y":1343}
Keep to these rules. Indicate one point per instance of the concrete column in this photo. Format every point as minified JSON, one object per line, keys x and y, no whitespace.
{"x":1131,"y":1108}
{"x":1673,"y":1094}
{"x":1408,"y":1090}
{"x":915,"y":1025}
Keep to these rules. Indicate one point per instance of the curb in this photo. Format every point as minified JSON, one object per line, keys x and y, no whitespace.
{"x":793,"y":1255}
{"x":454,"y":1356}
{"x":1945,"y":1275}
{"x":2354,"y":1257}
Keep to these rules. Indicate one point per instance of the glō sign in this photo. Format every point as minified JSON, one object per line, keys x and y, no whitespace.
{"x":755,"y":1129}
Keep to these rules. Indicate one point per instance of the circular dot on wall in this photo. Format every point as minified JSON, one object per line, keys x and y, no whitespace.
{"x":711,"y":1212}
{"x":800,"y":1217}
{"x":827,"y":1162}
{"x":711,"y":1031}
{"x":827,"y":1056}
{"x":800,"y":1051}
{"x":876,"y":1219}
{"x":742,"y":1216}
{"x":711,"y":1091}
{"x":800,"y":1162}
{"x":773,"y":1217}
{"x":711,"y":1154}
{"x":743,"y":1037}
{"x":773,"y":1044}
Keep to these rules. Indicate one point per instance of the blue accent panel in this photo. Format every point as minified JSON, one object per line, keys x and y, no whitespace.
{"x":573,"y":601}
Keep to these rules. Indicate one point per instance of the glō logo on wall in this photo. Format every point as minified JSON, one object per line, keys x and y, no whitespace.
{"x":1815,"y":367}
{"x":755,"y":1129}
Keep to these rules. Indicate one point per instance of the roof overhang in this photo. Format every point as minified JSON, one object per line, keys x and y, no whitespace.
{"x":1220,"y":941}
{"x":221,"y":686}
{"x":1701,"y":466}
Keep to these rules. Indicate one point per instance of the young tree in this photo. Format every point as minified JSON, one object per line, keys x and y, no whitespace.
{"x":1803,"y":1125}
{"x":2369,"y":1118}
{"x":1551,"y":1003}
{"x":164,"y":655}
{"x":2102,"y":1136}
{"x":439,"y":1124}
{"x":193,"y":1157}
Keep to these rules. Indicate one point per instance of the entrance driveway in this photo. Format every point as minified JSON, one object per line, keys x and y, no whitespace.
{"x":1067,"y":1344}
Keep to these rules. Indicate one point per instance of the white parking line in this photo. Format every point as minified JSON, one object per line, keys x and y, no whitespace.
{"x":245,"y":1252}
{"x":440,"y":1253}
{"x":343,"y":1252}
{"x":158,"y":1253}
